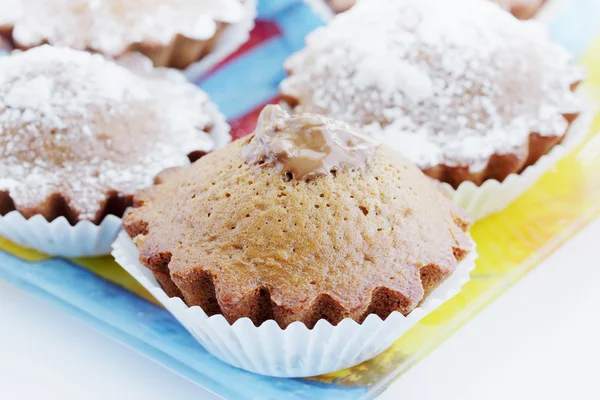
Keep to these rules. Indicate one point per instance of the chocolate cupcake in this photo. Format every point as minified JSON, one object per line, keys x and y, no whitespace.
{"x":79,"y":134}
{"x":172,"y":33}
{"x":305,"y":220}
{"x":464,"y":90}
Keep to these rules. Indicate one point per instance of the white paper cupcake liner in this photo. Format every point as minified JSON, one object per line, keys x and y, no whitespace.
{"x":234,"y":36}
{"x":295,"y":351}
{"x":85,"y":239}
{"x":59,"y":238}
{"x":494,"y":196}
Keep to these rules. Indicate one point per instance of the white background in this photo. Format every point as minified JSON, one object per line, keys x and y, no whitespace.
{"x":540,"y":340}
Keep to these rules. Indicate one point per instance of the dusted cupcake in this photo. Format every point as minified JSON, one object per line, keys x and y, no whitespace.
{"x":465,"y":95}
{"x":522,"y":9}
{"x":172,"y":33}
{"x":304,"y":220}
{"x":79,"y":134}
{"x":464,"y":90}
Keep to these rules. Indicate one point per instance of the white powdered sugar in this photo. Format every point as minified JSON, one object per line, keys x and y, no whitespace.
{"x":110,"y":26}
{"x":519,"y":6}
{"x":443,"y":82}
{"x":75,"y":124}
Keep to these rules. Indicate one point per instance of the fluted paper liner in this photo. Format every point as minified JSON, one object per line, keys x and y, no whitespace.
{"x":493,"y":196}
{"x":84,"y":239}
{"x":59,"y":237}
{"x":295,"y":351}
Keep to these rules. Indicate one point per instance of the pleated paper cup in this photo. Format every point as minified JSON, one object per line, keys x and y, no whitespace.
{"x":232,"y":38}
{"x":295,"y":351}
{"x":85,"y":239}
{"x":494,"y":196}
{"x":59,"y":237}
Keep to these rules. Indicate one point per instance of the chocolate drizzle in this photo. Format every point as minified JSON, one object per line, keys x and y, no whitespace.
{"x":305,"y":145}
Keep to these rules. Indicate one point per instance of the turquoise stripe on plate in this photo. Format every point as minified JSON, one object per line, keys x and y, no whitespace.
{"x":152,"y":331}
{"x":269,"y":9}
{"x":253,"y":78}
{"x":295,"y":22}
{"x":245,"y":83}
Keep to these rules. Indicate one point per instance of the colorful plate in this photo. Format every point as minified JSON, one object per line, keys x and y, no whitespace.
{"x":510,"y":243}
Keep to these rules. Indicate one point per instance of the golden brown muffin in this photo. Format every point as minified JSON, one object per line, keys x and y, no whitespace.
{"x":80,"y":134}
{"x":522,"y":9}
{"x":306,"y":219}
{"x":173,"y":33}
{"x":463,"y":89}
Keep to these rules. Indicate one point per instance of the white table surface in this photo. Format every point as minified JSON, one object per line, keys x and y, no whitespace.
{"x":540,"y":340}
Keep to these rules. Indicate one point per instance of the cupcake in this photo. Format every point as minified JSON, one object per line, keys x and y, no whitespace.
{"x":79,"y":135}
{"x":307,"y":221}
{"x":172,"y":33}
{"x":341,"y":5}
{"x":522,"y":9}
{"x":464,"y":90}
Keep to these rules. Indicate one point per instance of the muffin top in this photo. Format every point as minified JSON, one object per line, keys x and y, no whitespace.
{"x":306,"y":219}
{"x":520,"y":8}
{"x":442,"y":82}
{"x":111,"y":26}
{"x":75,"y":125}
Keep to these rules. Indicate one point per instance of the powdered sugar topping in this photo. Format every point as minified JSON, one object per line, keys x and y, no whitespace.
{"x":110,"y":26}
{"x":75,"y":124}
{"x":443,"y":82}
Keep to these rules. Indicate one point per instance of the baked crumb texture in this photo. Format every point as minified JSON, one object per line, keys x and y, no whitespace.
{"x":248,"y":240}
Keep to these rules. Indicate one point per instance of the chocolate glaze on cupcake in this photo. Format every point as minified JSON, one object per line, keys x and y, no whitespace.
{"x":79,"y":134}
{"x":461,"y":88}
{"x":172,"y":33}
{"x":306,"y":219}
